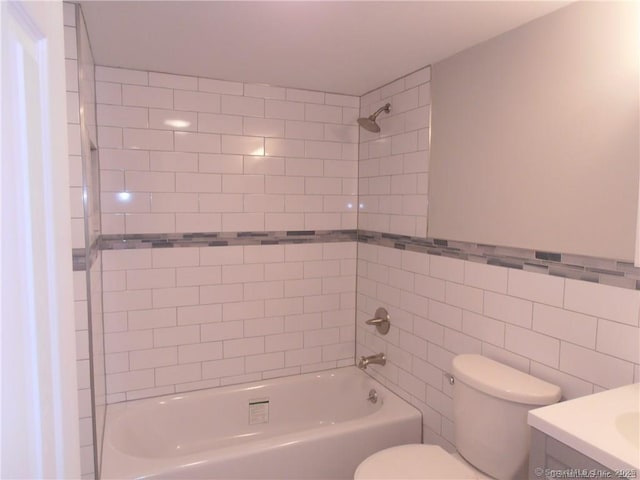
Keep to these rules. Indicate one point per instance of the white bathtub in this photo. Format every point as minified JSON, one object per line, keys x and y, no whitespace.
{"x":318,"y":425}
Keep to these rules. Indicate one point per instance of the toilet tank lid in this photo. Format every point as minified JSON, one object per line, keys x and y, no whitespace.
{"x":504,"y":382}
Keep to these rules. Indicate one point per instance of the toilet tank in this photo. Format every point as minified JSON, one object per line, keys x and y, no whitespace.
{"x":490,"y":405}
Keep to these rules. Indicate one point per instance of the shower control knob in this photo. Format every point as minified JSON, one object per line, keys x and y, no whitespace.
{"x":381,"y":321}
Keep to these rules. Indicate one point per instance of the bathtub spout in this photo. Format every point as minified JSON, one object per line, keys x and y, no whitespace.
{"x":378,"y":359}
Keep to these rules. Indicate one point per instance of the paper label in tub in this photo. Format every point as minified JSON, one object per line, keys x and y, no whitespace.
{"x":258,"y":411}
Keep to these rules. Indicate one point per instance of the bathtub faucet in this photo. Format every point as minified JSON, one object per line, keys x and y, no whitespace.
{"x":379,"y":359}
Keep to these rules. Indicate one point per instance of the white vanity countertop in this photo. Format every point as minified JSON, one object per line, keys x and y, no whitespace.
{"x":604,"y":426}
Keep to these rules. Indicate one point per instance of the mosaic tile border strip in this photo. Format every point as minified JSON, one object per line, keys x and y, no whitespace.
{"x":223,"y":239}
{"x":215,"y":239}
{"x":578,"y":267}
{"x":79,"y":257}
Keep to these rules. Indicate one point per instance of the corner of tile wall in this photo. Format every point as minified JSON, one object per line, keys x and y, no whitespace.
{"x":80,"y":97}
{"x":78,"y":242}
{"x":184,"y":154}
{"x":394,"y":163}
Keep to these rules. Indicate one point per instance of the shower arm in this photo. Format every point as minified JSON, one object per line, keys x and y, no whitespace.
{"x":384,"y":108}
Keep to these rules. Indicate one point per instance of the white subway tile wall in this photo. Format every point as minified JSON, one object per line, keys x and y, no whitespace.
{"x":187,"y":318}
{"x":243,"y":156}
{"x":81,"y":93}
{"x":394,"y":163}
{"x":579,"y":335}
{"x":84,"y":374}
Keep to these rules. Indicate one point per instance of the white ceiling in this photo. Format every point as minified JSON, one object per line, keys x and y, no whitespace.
{"x":342,"y":47}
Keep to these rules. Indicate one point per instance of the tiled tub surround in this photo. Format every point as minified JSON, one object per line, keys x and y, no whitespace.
{"x":393,"y":178}
{"x":85,"y":232}
{"x":223,"y":308}
{"x":180,"y":319}
{"x":187,"y":154}
{"x":579,"y":335}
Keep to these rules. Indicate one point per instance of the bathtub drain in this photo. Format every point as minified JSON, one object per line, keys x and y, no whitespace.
{"x":373,"y":396}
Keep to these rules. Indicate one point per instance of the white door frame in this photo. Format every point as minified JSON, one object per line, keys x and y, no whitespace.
{"x":637,"y":47}
{"x":38,"y":391}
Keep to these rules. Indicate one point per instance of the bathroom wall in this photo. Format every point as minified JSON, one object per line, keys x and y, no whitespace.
{"x":578,"y":334}
{"x":527,"y":135}
{"x":85,"y":223}
{"x":253,"y":190}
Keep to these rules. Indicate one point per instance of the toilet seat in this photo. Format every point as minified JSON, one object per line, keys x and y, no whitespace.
{"x":414,"y":461}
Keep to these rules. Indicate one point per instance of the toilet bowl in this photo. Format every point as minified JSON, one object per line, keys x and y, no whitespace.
{"x":490,"y":406}
{"x":416,"y":461}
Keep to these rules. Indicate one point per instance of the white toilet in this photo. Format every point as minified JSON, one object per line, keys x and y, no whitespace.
{"x":490,"y":405}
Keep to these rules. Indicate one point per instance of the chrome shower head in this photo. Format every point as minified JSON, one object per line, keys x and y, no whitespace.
{"x":369,"y":123}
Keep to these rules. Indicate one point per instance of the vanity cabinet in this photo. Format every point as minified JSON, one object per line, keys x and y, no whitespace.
{"x":594,"y":436}
{"x":551,"y":459}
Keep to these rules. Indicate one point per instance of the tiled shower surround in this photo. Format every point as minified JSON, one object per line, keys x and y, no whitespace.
{"x":186,"y":154}
{"x":179,"y":319}
{"x":183,"y":154}
{"x":265,"y":182}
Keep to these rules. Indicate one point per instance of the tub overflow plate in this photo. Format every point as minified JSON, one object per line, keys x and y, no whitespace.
{"x":258,"y":411}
